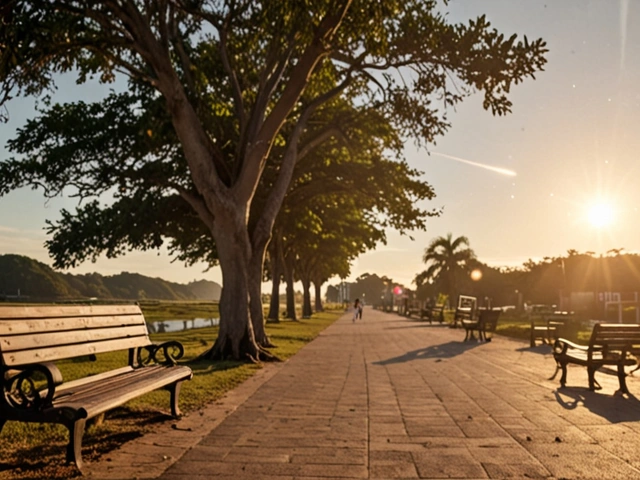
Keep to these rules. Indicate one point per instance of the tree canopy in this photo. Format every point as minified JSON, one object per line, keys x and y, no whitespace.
{"x":214,"y":88}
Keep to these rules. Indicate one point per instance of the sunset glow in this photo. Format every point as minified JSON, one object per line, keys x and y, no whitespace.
{"x":601,"y":215}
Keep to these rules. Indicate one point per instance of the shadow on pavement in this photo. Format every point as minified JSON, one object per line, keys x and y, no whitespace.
{"x":417,"y":325}
{"x":615,"y":409}
{"x":542,"y":349}
{"x":446,"y":350}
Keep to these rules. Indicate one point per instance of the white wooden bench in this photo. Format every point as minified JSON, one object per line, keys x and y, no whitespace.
{"x":33,"y":337}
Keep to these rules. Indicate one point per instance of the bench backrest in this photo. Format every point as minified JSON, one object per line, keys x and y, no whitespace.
{"x":559,"y":316}
{"x":616,"y":336}
{"x":46,"y":333}
{"x":464,"y":313}
{"x":489,"y":319}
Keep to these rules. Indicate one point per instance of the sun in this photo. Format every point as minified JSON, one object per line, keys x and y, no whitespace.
{"x":476,"y":275}
{"x":601,"y":215}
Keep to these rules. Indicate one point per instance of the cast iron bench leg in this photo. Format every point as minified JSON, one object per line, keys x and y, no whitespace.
{"x":593,"y":385}
{"x":175,"y":393}
{"x":622,"y":378}
{"x":74,"y":449}
{"x":563,"y":377}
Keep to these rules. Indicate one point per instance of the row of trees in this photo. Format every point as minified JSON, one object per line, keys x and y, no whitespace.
{"x":452,"y":269}
{"x":244,"y":121}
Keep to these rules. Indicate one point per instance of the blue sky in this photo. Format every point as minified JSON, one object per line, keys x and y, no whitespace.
{"x":571,"y":139}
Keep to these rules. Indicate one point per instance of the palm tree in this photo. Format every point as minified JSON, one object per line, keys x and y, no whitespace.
{"x":447,"y":260}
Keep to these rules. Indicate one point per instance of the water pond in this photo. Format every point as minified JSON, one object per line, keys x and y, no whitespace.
{"x":163,"y":326}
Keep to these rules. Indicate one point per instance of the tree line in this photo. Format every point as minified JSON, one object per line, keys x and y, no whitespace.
{"x":452,"y":268}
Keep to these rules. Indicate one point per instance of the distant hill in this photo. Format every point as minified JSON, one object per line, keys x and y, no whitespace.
{"x":205,"y":290}
{"x":25,"y":277}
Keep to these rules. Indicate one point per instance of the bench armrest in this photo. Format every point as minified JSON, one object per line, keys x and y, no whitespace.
{"x":30,"y":387}
{"x":565,"y":344}
{"x":167,"y":353}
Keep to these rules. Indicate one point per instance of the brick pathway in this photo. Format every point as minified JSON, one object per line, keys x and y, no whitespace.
{"x":389,"y":397}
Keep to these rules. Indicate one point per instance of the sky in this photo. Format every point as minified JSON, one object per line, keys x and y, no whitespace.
{"x":572,"y":141}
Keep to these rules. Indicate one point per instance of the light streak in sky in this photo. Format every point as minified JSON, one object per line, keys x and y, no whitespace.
{"x":503,"y":171}
{"x":624,"y":20}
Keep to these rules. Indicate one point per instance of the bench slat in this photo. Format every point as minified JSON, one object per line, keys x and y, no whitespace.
{"x":75,"y":384}
{"x":69,"y":338}
{"x":105,"y":386}
{"x":96,"y":398}
{"x":53,"y":311}
{"x":26,"y":357}
{"x":20,"y":327}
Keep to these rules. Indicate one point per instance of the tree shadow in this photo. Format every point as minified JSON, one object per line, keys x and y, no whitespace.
{"x":445,"y":350}
{"x":617,"y":408}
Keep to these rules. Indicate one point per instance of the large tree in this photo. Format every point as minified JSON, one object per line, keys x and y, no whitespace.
{"x":228,"y":76}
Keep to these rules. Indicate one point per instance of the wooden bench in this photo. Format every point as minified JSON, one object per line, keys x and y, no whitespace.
{"x":485,"y":323}
{"x":610,"y":344}
{"x":435,"y":312}
{"x":551,"y":327}
{"x":32,"y":337}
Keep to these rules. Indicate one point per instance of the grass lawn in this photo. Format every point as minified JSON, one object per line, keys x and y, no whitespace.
{"x":154,"y":311}
{"x":37,"y":451}
{"x":516,"y":326}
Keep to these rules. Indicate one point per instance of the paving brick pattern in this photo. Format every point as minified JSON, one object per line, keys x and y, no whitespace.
{"x":388,"y":397}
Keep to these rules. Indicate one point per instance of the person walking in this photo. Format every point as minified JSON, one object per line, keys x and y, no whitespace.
{"x":357,"y":310}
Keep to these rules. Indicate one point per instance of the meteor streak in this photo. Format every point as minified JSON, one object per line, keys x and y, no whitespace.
{"x":503,"y":171}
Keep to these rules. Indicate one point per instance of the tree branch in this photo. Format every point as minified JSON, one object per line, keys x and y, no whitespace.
{"x":198,"y":205}
{"x":315,"y":51}
{"x":236,"y":89}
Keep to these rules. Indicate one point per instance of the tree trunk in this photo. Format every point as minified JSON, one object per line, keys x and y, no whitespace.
{"x":255,"y":297}
{"x":317,"y":286}
{"x":306,"y":298}
{"x":236,"y":338}
{"x":274,"y":305}
{"x":289,"y":279}
{"x":276,"y":272}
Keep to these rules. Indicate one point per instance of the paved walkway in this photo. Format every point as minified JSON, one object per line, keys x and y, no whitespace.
{"x":389,"y":397}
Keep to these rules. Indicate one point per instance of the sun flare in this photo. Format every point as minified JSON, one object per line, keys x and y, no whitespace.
{"x":601,"y":215}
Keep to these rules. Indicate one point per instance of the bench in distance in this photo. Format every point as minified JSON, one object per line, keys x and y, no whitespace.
{"x":435,"y":312}
{"x":461,"y":314}
{"x":550,"y":329}
{"x":485,"y":323}
{"x":33,"y":337}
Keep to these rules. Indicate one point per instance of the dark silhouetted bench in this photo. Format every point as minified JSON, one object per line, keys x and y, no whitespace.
{"x":33,"y":337}
{"x":431,"y":313}
{"x":610,"y":344}
{"x":549,"y":328}
{"x":484,"y":324}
